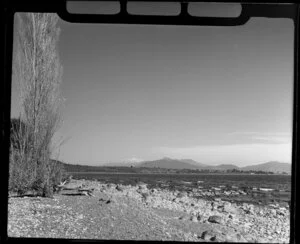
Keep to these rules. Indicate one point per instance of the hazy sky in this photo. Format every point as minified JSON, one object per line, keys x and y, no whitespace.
{"x":212,"y":94}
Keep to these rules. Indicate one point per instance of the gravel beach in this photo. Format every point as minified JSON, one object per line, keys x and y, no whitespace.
{"x":120,"y":212}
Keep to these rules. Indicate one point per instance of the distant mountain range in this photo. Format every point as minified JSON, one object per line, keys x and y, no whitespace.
{"x":178,"y":164}
{"x":273,"y":166}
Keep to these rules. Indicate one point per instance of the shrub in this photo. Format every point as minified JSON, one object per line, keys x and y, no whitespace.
{"x":21,"y":174}
{"x":57,"y":173}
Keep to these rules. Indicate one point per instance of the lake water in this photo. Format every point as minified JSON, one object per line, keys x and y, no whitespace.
{"x":208,"y":183}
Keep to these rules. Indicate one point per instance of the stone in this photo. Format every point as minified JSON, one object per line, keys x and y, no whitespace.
{"x":198,"y":217}
{"x":280,"y":212}
{"x":194,"y":219}
{"x":215,"y":219}
{"x":273,"y":205}
{"x":230,"y":216}
{"x":108,"y":201}
{"x":119,"y":188}
{"x":142,"y":186}
{"x":229,"y":208}
{"x":282,"y":209}
{"x":208,"y":235}
{"x":145,"y":195}
{"x":262,"y":240}
{"x":247,"y":225}
{"x":181,"y":194}
{"x":235,"y":238}
{"x":183,"y":217}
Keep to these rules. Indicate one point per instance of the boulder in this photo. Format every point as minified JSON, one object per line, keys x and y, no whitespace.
{"x":142,"y":187}
{"x":218,"y":238}
{"x":235,"y":238}
{"x":208,"y":235}
{"x":213,"y":235}
{"x":215,"y":219}
{"x":120,"y":188}
{"x":105,"y":200}
{"x":229,"y":208}
{"x":281,"y":211}
{"x":181,"y":194}
{"x":262,"y":240}
{"x":145,"y":195}
{"x":110,"y":185}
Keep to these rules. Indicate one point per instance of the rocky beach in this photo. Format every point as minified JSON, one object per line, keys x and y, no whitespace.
{"x":87,"y":209}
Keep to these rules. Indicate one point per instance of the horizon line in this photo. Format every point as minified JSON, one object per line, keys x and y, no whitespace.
{"x":128,"y":164}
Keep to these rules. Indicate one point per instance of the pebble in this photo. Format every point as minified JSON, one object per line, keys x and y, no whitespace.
{"x":184,"y":217}
{"x":194,"y":219}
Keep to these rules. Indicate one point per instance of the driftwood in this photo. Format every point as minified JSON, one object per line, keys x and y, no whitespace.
{"x":79,"y":194}
{"x":79,"y":190}
{"x":87,"y":192}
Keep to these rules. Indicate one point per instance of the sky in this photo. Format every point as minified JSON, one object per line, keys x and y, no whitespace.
{"x":211,"y":94}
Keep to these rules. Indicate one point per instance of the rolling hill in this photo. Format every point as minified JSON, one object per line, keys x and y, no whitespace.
{"x":273,"y":166}
{"x":170,"y":163}
{"x":195,"y":163}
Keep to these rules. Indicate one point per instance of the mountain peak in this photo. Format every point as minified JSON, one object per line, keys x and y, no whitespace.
{"x":167,"y":158}
{"x":170,"y":163}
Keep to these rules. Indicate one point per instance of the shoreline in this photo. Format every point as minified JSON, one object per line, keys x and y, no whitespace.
{"x":185,"y":218}
{"x":234,"y":191}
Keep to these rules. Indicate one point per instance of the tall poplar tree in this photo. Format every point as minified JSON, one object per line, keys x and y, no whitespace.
{"x":38,"y":71}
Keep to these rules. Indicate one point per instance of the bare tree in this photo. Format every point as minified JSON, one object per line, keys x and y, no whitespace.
{"x":38,"y":71}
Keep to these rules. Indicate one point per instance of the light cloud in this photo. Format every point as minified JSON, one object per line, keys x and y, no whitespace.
{"x":133,"y":160}
{"x":276,"y":137}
